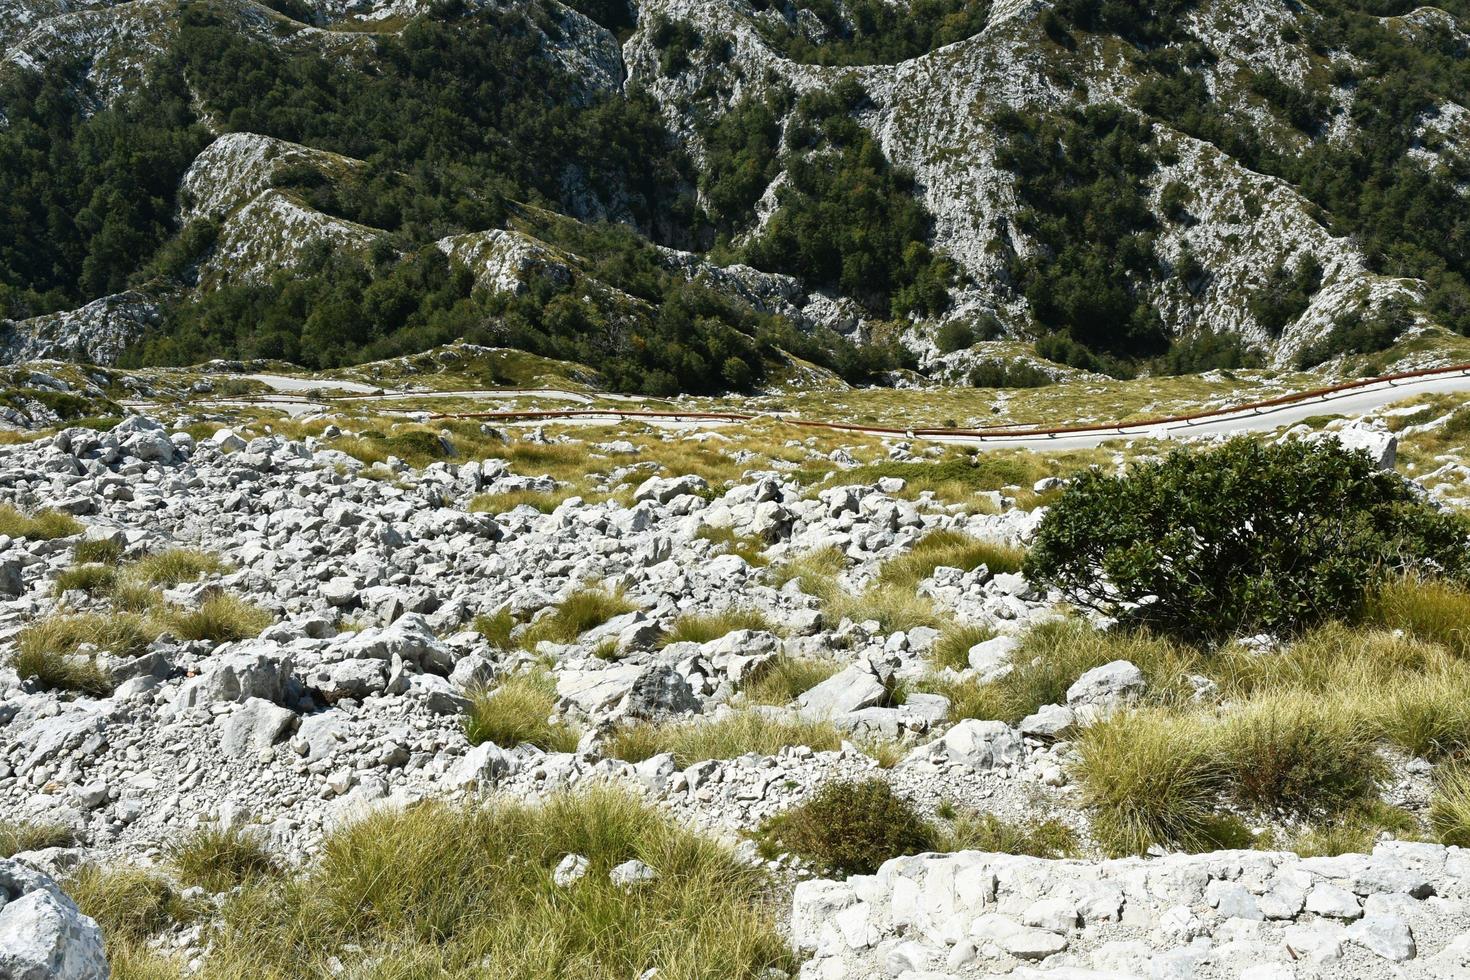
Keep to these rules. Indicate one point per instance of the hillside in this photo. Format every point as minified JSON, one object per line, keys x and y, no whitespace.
{"x":685,"y":194}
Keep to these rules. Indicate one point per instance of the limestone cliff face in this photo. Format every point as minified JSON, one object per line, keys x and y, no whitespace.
{"x":933,"y":115}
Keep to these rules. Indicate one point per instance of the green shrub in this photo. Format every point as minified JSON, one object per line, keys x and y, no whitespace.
{"x":849,"y":828}
{"x":217,"y":859}
{"x":434,"y":890}
{"x":519,"y":710}
{"x":1239,"y":539}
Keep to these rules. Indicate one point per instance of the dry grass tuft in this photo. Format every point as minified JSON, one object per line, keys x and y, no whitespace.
{"x":734,"y":734}
{"x":436,"y":890}
{"x":705,"y":627}
{"x":519,"y":710}
{"x":43,"y":525}
{"x":581,"y":611}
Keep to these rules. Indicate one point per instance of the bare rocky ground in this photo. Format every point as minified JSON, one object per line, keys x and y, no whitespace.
{"x":355,"y":696}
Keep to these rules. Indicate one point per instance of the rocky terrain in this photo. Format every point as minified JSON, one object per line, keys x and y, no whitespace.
{"x":381,"y":602}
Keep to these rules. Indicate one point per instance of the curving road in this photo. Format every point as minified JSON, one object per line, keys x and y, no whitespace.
{"x":1353,"y":399}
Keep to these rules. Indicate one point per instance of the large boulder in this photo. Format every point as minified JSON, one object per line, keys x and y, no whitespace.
{"x":43,"y":935}
{"x":974,"y":744}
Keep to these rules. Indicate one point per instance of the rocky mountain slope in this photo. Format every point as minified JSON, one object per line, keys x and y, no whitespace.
{"x":228,"y":634}
{"x":1203,"y":176}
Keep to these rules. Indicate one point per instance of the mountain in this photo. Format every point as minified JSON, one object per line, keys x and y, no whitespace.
{"x":687,"y":194}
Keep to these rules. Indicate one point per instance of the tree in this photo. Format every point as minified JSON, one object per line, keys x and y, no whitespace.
{"x":1241,"y":538}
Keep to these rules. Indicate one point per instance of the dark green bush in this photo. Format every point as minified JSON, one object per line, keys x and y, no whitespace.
{"x":1240,"y":538}
{"x":849,"y":828}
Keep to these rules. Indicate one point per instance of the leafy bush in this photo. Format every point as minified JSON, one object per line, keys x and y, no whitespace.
{"x":1240,"y":538}
{"x":849,"y":828}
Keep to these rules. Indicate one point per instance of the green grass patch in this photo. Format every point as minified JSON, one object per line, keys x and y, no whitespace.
{"x":952,"y":649}
{"x":439,"y":891}
{"x":33,"y":835}
{"x":579,"y":612}
{"x":951,"y":549}
{"x":220,"y":618}
{"x":972,"y":831}
{"x":731,"y":735}
{"x":496,"y":627}
{"x":217,"y":859}
{"x":706,"y":627}
{"x":42,"y":525}
{"x":176,"y":566}
{"x":786,"y":678}
{"x":1150,"y":777}
{"x":94,"y":580}
{"x":1449,"y":807}
{"x":519,"y":710}
{"x":1429,"y":609}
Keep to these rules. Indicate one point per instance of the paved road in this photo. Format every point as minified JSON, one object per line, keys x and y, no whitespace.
{"x":1358,"y":401}
{"x":1354,"y":402}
